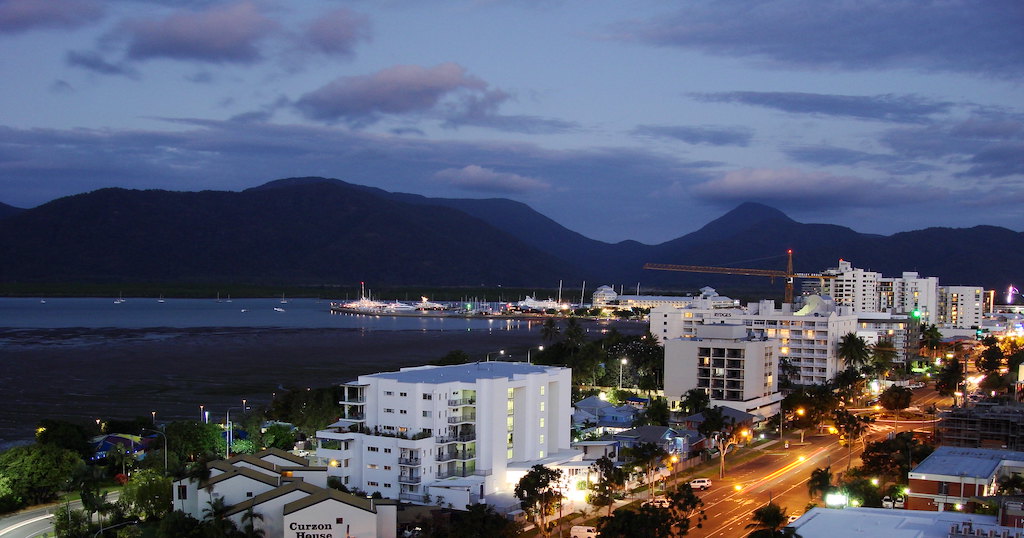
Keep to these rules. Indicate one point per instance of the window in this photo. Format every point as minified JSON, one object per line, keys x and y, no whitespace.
{"x":388,"y":393}
{"x":339,"y":520}
{"x":542,"y":422}
{"x":372,"y":449}
{"x":428,"y":396}
{"x":182,"y":492}
{"x":387,"y":450}
{"x":386,"y":410}
{"x":542,"y":390}
{"x":403,"y":412}
{"x":387,"y":467}
{"x":426,"y":414}
{"x":371,"y":484}
{"x":387,"y":485}
{"x":542,"y":406}
{"x":943,"y":488}
{"x":403,"y":394}
{"x":248,"y":494}
{"x":371,"y":466}
{"x":542,"y":438}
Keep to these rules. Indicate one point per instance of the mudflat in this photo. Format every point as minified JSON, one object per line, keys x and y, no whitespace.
{"x":85,"y":374}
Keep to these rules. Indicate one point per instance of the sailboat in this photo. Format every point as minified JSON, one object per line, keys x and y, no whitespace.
{"x":161,"y":299}
{"x":228,"y":299}
{"x":218,"y":296}
{"x":120,"y":298}
{"x":283,"y":300}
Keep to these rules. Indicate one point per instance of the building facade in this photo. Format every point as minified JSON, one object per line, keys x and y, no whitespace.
{"x":450,"y":431}
{"x":962,"y":306}
{"x":952,"y":478}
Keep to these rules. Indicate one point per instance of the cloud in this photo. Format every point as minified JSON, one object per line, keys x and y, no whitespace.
{"x":337,"y":32}
{"x":986,"y":145}
{"x":479,"y":179}
{"x":929,"y":35}
{"x":92,"y":61}
{"x":481,"y":110}
{"x":18,"y":16}
{"x":889,"y":108}
{"x":710,"y":136}
{"x":219,"y":34}
{"x":797,"y":188}
{"x":61,"y":86}
{"x":396,"y":90}
{"x":836,"y":156}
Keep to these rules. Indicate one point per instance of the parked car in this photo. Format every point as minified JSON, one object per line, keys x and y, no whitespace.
{"x":792,"y":518}
{"x":580,"y":531}
{"x":658,"y":502}
{"x":898,"y":502}
{"x":887,"y":502}
{"x":700,"y":483}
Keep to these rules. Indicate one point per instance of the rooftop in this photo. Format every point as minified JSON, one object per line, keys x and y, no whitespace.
{"x":465,"y":373}
{"x":968,"y":462}
{"x":872,"y":522}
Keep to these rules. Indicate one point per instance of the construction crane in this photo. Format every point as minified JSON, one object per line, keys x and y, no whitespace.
{"x":788,"y":274}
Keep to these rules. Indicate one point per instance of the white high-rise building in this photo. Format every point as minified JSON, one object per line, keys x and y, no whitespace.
{"x":807,"y":333}
{"x":736,"y":368}
{"x":962,"y":307}
{"x":449,"y":431}
{"x":910,"y":293}
{"x":852,"y":287}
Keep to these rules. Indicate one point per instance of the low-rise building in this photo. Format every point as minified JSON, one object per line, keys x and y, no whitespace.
{"x":983,"y":425}
{"x":864,"y":522}
{"x":282,"y":490}
{"x":954,"y":477}
{"x":594,"y":415}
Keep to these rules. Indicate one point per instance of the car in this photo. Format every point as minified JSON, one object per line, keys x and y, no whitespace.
{"x":580,"y":531}
{"x":898,"y":502}
{"x":700,"y":483}
{"x":657,"y":502}
{"x":887,"y":502}
{"x":792,"y":518}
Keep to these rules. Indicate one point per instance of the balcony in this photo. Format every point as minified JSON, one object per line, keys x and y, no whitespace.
{"x":412,"y":497}
{"x":409,"y":461}
{"x":409,"y":479}
{"x":464,"y":418}
{"x":461,"y":402}
{"x":456,"y":455}
{"x":462,"y":438}
{"x":462,"y":474}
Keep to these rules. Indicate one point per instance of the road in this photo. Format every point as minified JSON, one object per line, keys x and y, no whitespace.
{"x":781,"y":475}
{"x":29,"y":523}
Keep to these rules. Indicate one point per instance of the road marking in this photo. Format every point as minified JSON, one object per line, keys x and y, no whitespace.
{"x":23,"y":523}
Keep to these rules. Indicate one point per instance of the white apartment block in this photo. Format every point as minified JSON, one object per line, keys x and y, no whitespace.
{"x":910,"y":293}
{"x":962,"y":307}
{"x":447,"y":432}
{"x":852,"y":287}
{"x":807,"y":332}
{"x":875,"y":327}
{"x":736,"y":368}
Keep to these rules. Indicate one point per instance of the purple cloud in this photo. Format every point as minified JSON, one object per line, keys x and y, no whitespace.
{"x":395,"y":90}
{"x":24,"y":15}
{"x":930,"y":35}
{"x":220,"y":34}
{"x":479,"y":179}
{"x":92,"y":61}
{"x":338,"y":32}
{"x":481,"y":110}
{"x":890,"y":108}
{"x":710,"y":136}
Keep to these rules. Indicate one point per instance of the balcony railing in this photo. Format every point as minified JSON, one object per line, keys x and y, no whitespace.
{"x":461,"y":402}
{"x":456,"y":455}
{"x":408,"y":461}
{"x":352,"y":400}
{"x":409,"y":479}
{"x":464,"y":418}
{"x":462,"y":474}
{"x":414,"y":497}
{"x":354,"y":416}
{"x":463,"y":438}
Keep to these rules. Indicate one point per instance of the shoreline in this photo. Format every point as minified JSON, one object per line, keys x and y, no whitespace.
{"x":84,"y":374}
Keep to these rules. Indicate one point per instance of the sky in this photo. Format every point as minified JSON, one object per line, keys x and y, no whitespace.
{"x":637,"y":120}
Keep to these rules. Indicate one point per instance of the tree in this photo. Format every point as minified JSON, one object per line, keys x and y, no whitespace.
{"x":1011,"y":484}
{"x":931,"y":339}
{"x":608,"y":485}
{"x":64,"y":434}
{"x":853,"y":350}
{"x":147,"y":495}
{"x":482,"y":521}
{"x":574,"y":335}
{"x":539,"y":495}
{"x":215,"y":517}
{"x":820,"y":482}
{"x":655,"y":414}
{"x":694,"y":401}
{"x":883,"y":353}
{"x":769,"y":521}
{"x":893,"y":458}
{"x":852,"y":427}
{"x":648,"y":521}
{"x":249,"y":519}
{"x":70,"y":522}
{"x":849,"y":384}
{"x":991,"y":358}
{"x":279,"y":436}
{"x":896,"y":399}
{"x":549,"y":330}
{"x":193,"y":439}
{"x":950,"y":378}
{"x":87,"y":479}
{"x":178,"y":524}
{"x":36,"y":473}
{"x":646,"y":458}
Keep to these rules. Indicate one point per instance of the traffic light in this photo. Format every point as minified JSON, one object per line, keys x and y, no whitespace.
{"x":916,"y":313}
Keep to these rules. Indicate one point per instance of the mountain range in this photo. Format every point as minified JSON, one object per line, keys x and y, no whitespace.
{"x":315,"y":231}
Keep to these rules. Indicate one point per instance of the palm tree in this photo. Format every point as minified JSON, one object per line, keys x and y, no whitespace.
{"x":853,"y":350}
{"x":820,"y":482}
{"x":574,"y":334}
{"x":769,"y":521}
{"x":694,"y":401}
{"x":549,"y":331}
{"x":215,"y":514}
{"x":931,"y":339}
{"x":249,"y":529}
{"x":883,"y":353}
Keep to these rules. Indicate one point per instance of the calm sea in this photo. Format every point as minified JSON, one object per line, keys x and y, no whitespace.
{"x":134,"y":313}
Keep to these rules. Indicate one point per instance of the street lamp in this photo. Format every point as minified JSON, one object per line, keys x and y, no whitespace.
{"x":231,"y":431}
{"x":154,"y":417}
{"x":201,"y":408}
{"x":623,"y":362}
{"x":500,"y":352}
{"x":165,"y":446}
{"x":539,"y":348}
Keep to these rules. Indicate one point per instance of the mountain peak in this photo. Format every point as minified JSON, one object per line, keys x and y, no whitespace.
{"x":295,"y":182}
{"x":751,"y":213}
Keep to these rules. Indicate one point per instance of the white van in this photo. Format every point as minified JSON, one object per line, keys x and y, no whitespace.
{"x":700,"y":483}
{"x":580,"y":531}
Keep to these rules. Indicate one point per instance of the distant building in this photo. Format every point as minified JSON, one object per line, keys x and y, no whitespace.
{"x":605,"y":297}
{"x":601,"y":416}
{"x":684,"y":443}
{"x":962,"y":306}
{"x":954,"y":478}
{"x":734,"y":366}
{"x":454,"y":431}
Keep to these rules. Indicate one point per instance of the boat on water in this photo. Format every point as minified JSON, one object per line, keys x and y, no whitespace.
{"x":120,"y":298}
{"x":278,"y":309}
{"x":283,"y":300}
{"x":161,"y":299}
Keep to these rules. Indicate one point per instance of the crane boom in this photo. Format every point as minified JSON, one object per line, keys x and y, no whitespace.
{"x":788,"y":274}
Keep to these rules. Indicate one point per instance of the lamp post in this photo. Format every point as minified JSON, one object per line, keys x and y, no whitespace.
{"x":201,"y":408}
{"x":230,"y":435}
{"x":165,"y":446}
{"x":539,"y":348}
{"x":499,"y":352}
{"x":800,"y":412}
{"x":623,"y":362}
{"x":154,"y":417}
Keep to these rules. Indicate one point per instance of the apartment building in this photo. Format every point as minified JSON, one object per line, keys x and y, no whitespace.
{"x":736,"y":367}
{"x":807,"y":331}
{"x":606,"y":297}
{"x":983,"y":425}
{"x":447,"y":431}
{"x":875,"y":327}
{"x":955,"y":477}
{"x":962,"y":306}
{"x":852,"y":287}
